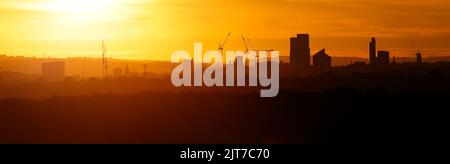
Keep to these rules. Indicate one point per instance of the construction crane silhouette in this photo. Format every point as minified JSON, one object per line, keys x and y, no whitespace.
{"x":104,"y":60}
{"x":251,"y":47}
{"x":222,"y":45}
{"x":248,"y":44}
{"x":245,"y":43}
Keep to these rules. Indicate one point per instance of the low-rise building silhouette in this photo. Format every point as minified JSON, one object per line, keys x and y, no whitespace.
{"x":322,"y":61}
{"x":383,"y":57}
{"x":419,"y":58}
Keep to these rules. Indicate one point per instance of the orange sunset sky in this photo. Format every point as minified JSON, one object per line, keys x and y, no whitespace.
{"x":153,"y":29}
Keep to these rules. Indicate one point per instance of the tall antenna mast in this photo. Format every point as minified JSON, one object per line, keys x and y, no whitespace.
{"x":104,"y":60}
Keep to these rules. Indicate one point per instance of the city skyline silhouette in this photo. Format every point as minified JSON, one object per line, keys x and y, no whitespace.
{"x":350,"y":71}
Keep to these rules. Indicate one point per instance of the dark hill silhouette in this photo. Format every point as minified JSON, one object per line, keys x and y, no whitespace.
{"x":339,"y":115}
{"x":397,"y":103}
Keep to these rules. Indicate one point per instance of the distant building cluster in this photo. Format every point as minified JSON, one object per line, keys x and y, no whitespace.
{"x":121,"y":72}
{"x":125,"y":72}
{"x":300,"y":54}
{"x":377,"y":57}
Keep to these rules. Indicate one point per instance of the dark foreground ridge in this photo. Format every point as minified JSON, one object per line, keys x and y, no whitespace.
{"x":339,"y":115}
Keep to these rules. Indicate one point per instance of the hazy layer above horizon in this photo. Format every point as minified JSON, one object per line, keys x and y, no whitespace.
{"x":153,"y":29}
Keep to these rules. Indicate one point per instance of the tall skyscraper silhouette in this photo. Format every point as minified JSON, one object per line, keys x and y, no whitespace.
{"x":373,"y":51}
{"x":300,"y":52}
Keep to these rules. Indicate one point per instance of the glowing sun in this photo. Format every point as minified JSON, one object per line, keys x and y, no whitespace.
{"x":81,"y":6}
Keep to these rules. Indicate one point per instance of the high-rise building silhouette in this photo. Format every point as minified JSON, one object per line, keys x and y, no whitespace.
{"x":300,"y":52}
{"x":383,"y":57}
{"x":54,"y":71}
{"x":322,"y":61}
{"x":373,"y":51}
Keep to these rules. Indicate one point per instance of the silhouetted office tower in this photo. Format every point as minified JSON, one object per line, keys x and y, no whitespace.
{"x":322,"y":61}
{"x":373,"y":51}
{"x":419,"y":58}
{"x":54,"y":71}
{"x":383,"y":57}
{"x":300,"y":52}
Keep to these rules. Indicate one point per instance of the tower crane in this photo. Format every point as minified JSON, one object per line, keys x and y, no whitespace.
{"x":222,"y":45}
{"x":251,"y":47}
{"x":248,"y":45}
{"x":245,"y":43}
